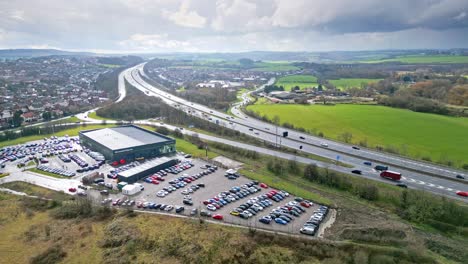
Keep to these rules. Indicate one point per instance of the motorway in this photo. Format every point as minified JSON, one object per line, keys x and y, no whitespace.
{"x":416,"y":174}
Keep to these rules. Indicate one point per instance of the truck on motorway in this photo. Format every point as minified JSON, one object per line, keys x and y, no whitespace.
{"x":392,"y":175}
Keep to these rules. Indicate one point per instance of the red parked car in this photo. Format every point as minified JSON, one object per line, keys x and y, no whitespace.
{"x":154,"y":182}
{"x":263,"y":185}
{"x":72,"y":189}
{"x":464,"y":194}
{"x":217,"y":217}
{"x":305,"y":204}
{"x":206,"y":202}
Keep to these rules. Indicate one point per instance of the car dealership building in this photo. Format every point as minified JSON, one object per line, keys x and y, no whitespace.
{"x":127,"y":143}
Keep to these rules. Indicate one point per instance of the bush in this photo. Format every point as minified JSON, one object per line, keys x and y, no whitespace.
{"x":368,"y":192}
{"x":162,"y":130}
{"x":311,"y":172}
{"x":81,"y":208}
{"x":53,"y":254}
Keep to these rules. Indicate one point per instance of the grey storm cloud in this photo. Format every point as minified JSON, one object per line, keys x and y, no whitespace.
{"x":233,"y":25}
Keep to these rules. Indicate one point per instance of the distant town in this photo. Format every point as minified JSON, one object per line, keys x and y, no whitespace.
{"x":46,"y":88}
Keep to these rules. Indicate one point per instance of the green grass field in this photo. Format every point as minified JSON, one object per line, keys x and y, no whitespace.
{"x":345,"y":83}
{"x":93,"y":115}
{"x":423,"y":59}
{"x":417,"y":135}
{"x":303,"y":81}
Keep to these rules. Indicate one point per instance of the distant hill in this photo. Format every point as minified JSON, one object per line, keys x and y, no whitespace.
{"x":29,"y":53}
{"x":332,"y":56}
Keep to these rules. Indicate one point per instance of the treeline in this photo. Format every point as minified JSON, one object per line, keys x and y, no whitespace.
{"x":109,"y":82}
{"x":33,"y":131}
{"x":218,"y":98}
{"x":417,"y":104}
{"x":271,"y":88}
{"x":133,"y":107}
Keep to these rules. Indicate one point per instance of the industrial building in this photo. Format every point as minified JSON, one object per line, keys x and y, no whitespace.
{"x":139,"y":172}
{"x":127,"y":143}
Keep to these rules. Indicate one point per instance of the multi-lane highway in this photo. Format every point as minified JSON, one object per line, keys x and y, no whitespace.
{"x":416,"y":174}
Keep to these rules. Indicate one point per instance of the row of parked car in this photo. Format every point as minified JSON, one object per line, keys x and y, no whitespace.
{"x":58,"y":171}
{"x":178,"y":168}
{"x":231,"y":195}
{"x":54,"y":146}
{"x":312,"y":225}
{"x":114,"y":172}
{"x":183,"y":181}
{"x":82,"y":163}
{"x":94,"y":155}
{"x":251,"y":207}
{"x":284,"y":214}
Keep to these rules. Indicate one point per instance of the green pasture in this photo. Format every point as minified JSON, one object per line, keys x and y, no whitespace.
{"x":425,"y":136}
{"x":303,"y":81}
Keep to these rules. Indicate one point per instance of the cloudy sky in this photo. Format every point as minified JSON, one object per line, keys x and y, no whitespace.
{"x":233,"y":25}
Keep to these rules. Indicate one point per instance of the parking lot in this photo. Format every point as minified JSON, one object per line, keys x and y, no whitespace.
{"x":214,"y":183}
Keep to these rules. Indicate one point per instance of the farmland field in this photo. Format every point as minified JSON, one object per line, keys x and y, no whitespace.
{"x":345,"y":83}
{"x":414,"y":134}
{"x":423,"y":59}
{"x":303,"y":81}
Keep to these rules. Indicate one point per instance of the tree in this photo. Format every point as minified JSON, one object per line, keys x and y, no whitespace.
{"x":246,"y":62}
{"x":276,"y":120}
{"x":46,"y":116}
{"x":162,"y":130}
{"x":346,"y":137}
{"x":311,"y":172}
{"x":320,"y":88}
{"x":17,"y":119}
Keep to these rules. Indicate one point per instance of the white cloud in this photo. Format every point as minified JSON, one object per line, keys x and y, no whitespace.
{"x":460,"y":16}
{"x":185,"y":17}
{"x":239,"y":16}
{"x":152,"y":42}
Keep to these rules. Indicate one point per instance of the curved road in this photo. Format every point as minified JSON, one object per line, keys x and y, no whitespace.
{"x":415,"y":177}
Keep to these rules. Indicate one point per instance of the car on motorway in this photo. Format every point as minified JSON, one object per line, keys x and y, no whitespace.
{"x":381,"y":168}
{"x":368,"y":163}
{"x":460,"y":177}
{"x":323,"y":144}
{"x":301,"y":137}
{"x":464,"y":194}
{"x":356,"y":172}
{"x":356,"y":147}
